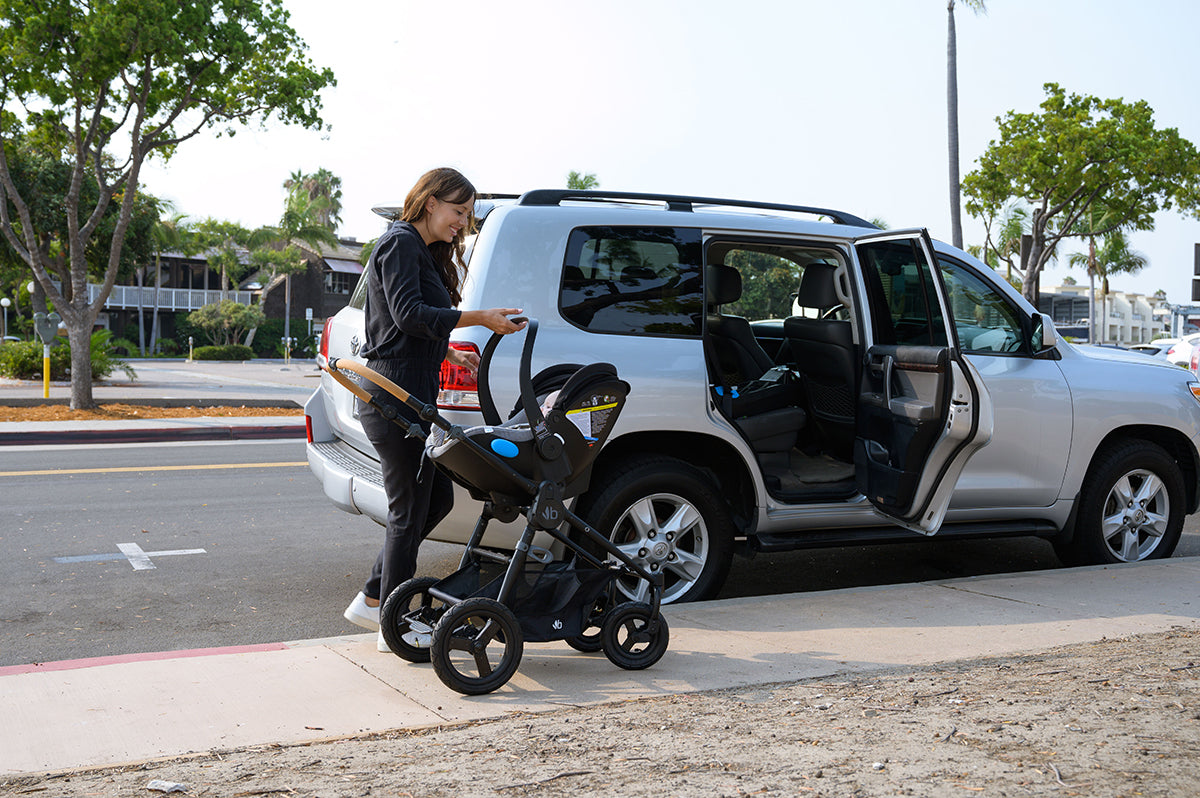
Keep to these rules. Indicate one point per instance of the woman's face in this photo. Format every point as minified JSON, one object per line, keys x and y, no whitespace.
{"x":444,"y":220}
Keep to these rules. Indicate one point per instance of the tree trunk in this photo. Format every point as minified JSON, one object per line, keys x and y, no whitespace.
{"x":956,"y":236}
{"x":80,"y":338}
{"x":157,"y":292}
{"x":141,"y":315}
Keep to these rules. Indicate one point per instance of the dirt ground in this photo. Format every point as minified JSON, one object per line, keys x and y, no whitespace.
{"x":1116,"y":718}
{"x":118,"y":412}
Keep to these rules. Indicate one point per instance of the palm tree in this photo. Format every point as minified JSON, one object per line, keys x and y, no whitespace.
{"x":321,"y":184}
{"x":1113,"y":256}
{"x":580,"y":182}
{"x":978,"y":6}
{"x":169,"y":235}
{"x":278,"y":249}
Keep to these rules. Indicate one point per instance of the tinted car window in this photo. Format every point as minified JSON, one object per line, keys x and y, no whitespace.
{"x":633,"y":280}
{"x":904,"y":304}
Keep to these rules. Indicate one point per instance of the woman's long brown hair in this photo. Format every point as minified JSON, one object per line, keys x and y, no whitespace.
{"x":447,"y":185}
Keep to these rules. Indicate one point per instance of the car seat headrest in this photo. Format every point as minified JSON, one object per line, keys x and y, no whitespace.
{"x":817,"y":288}
{"x":724,"y":284}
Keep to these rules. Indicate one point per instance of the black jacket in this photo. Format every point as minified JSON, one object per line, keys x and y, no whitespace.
{"x":409,"y":316}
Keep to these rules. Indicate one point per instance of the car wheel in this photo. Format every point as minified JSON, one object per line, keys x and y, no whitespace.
{"x":1131,"y":507}
{"x":666,"y":516}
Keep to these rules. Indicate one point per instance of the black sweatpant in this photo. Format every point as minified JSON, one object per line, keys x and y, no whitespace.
{"x":419,"y":497}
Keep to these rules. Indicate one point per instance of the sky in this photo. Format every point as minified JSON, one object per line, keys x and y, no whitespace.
{"x":839,"y":105}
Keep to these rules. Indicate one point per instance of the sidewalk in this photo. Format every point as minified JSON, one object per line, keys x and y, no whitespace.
{"x":61,"y":716}
{"x":171,"y":382}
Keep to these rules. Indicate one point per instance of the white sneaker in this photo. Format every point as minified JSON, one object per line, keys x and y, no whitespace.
{"x":359,"y":614}
{"x":381,"y":645}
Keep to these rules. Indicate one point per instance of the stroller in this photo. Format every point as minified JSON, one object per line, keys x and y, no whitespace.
{"x":480,"y":616}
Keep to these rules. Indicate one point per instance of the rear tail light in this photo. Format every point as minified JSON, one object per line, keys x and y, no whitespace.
{"x":325,"y":338}
{"x":459,"y":391}
{"x":308,"y":428}
{"x":1195,"y":364}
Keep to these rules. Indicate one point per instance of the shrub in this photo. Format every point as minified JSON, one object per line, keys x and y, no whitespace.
{"x":23,"y":361}
{"x":226,"y":352}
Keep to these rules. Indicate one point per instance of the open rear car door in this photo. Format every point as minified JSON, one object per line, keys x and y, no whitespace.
{"x":923,"y":409}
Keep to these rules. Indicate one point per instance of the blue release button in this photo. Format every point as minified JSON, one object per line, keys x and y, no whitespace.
{"x":504,"y":448}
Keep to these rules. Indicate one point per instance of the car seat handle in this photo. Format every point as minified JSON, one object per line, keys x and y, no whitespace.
{"x":487,"y":403}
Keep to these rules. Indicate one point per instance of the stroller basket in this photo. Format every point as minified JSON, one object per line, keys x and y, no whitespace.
{"x":551,"y":601}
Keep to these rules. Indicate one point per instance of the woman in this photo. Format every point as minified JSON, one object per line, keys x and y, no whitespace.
{"x":413,"y":282}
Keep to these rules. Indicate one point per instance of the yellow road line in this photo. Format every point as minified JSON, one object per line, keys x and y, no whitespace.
{"x":127,"y":469}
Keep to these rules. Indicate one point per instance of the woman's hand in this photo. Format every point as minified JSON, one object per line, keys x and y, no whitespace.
{"x":463,"y":358}
{"x":495,"y":319}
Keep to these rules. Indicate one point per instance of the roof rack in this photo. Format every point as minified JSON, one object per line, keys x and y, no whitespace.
{"x":555,"y":196}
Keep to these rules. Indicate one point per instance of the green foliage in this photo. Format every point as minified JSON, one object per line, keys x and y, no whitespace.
{"x":25,"y":360}
{"x":1078,"y":152}
{"x":323,"y":189}
{"x":226,"y":321}
{"x":268,"y":341}
{"x":582,"y":182}
{"x":768,"y":282}
{"x":225,"y":352}
{"x":102,"y":86}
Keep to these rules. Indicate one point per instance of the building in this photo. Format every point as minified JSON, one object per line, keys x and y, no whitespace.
{"x":189,"y":282}
{"x":1122,"y":318}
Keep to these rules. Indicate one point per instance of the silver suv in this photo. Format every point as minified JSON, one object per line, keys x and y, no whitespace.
{"x":800,"y":378}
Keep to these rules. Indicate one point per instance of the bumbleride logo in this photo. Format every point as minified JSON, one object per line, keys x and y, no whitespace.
{"x":557,"y":625}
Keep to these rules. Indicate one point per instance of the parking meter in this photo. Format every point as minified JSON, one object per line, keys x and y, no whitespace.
{"x":46,"y":327}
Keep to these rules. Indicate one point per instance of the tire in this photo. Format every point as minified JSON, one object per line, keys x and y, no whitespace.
{"x":667,"y":516}
{"x":591,"y":639}
{"x":1131,"y":507}
{"x":461,"y":641}
{"x":628,"y":642}
{"x":410,"y":604}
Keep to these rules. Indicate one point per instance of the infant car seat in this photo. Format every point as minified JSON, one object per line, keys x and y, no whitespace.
{"x":556,"y":442}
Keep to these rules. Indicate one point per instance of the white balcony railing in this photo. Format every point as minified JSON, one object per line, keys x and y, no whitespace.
{"x":169,"y":299}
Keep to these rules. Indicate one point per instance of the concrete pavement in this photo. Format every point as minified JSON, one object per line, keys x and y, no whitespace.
{"x":88,"y":713}
{"x":115,"y":710}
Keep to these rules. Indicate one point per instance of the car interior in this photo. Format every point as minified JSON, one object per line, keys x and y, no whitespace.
{"x":782,"y":359}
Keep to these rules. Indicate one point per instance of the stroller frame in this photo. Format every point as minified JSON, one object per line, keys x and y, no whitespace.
{"x":452,"y":621}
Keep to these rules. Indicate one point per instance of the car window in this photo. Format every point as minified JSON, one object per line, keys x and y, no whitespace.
{"x":903,"y":300}
{"x":770,"y":276}
{"x":984,"y":319}
{"x":633,"y":280}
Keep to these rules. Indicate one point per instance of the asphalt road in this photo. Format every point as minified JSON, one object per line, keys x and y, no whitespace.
{"x":123,"y":549}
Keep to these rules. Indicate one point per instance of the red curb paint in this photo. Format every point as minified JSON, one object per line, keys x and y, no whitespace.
{"x":120,"y":659}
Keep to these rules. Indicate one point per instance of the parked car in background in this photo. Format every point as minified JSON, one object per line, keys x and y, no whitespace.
{"x":1180,"y":352}
{"x":798,"y":379}
{"x":1157,"y":349}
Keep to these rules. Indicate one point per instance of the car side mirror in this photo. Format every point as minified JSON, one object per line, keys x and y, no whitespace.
{"x":1044,"y":335}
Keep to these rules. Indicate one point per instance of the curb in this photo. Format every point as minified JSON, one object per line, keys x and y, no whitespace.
{"x":232,"y":433}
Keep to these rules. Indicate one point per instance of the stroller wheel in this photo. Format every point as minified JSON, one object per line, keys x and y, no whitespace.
{"x":592,"y":638}
{"x":628,"y":642}
{"x":461,"y":643}
{"x":410,"y":608}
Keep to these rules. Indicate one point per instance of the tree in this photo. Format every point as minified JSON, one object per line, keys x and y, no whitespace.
{"x":978,"y":6}
{"x":580,"y":182}
{"x":106,"y":85}
{"x":224,"y":244}
{"x":170,"y":234}
{"x":320,"y":185}
{"x":1002,"y":242}
{"x":1080,"y":151}
{"x":276,"y":252}
{"x":225,"y":321}
{"x":1111,"y":257}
